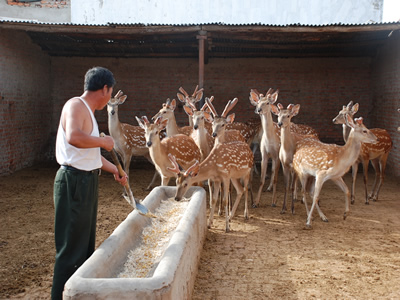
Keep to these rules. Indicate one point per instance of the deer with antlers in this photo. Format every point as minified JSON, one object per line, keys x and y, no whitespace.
{"x":323,"y":162}
{"x":129,"y":140}
{"x":377,"y":153}
{"x":167,"y":112}
{"x":289,"y":144}
{"x":181,"y":146}
{"x":226,"y":162}
{"x":190,"y":101}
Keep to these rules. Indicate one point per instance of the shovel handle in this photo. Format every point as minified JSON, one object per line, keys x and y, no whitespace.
{"x":115,"y":159}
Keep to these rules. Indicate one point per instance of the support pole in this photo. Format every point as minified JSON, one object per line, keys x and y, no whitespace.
{"x":202,"y":37}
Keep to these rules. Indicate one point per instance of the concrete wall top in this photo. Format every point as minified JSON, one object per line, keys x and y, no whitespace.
{"x":273,"y":12}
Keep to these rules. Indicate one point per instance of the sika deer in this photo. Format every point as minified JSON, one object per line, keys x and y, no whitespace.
{"x":167,"y":112}
{"x":330,"y":162}
{"x":270,"y":142}
{"x":377,"y":153}
{"x":129,"y":140}
{"x":190,"y":100}
{"x":226,"y":162}
{"x":181,"y":146}
{"x":200,"y":134}
{"x":289,"y":143}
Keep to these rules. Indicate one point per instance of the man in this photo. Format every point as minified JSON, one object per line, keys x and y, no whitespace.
{"x":76,"y":183}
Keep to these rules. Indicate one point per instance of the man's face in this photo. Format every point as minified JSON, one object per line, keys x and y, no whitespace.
{"x":107,"y":92}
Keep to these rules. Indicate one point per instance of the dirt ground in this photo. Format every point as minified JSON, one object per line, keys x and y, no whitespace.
{"x":270,"y":256}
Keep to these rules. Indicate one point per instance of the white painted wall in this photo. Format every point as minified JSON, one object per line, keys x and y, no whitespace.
{"x":277,"y":12}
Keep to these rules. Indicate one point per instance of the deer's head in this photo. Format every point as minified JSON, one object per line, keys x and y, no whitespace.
{"x":261,"y":102}
{"x":118,"y":99}
{"x":184,"y":97}
{"x":152,"y":131}
{"x":285,"y":115}
{"x":184,"y":179}
{"x":348,"y":109}
{"x":167,"y":110}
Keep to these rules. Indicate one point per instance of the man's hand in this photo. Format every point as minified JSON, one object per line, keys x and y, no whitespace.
{"x":108,"y":142}
{"x":122,"y":180}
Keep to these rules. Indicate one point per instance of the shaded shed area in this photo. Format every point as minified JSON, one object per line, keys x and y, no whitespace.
{"x":319,"y":67}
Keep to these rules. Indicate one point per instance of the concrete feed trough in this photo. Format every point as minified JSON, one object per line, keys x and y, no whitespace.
{"x":174,"y":274}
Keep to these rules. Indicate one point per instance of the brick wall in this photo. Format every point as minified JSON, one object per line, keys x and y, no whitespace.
{"x":25,"y":104}
{"x":321,"y":85}
{"x":41,"y":4}
{"x":386,"y":96}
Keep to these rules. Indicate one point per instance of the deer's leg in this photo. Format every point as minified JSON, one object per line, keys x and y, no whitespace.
{"x":239,"y":192}
{"x":155,"y":176}
{"x":213,"y":202}
{"x":165,"y":180}
{"x":255,"y":147}
{"x":365,"y":163}
{"x":246,"y":196}
{"x":340,"y":183}
{"x":354,"y":170}
{"x":303,"y":181}
{"x":264,"y":164}
{"x":293,"y":187}
{"x":275,"y":170}
{"x":286,"y":179}
{"x":381,"y":166}
{"x":317,"y":189}
{"x":151,"y":184}
{"x":225,"y":186}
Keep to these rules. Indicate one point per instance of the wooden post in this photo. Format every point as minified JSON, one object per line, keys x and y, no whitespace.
{"x":202,"y":37}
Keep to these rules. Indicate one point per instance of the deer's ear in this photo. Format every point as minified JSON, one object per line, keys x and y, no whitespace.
{"x":254,"y":98}
{"x":193,"y":170}
{"x":274,"y":97}
{"x":173,"y":104}
{"x":295,"y":110}
{"x":209,"y":118}
{"x":354,"y":109}
{"x":181,"y":97}
{"x":122,"y":99}
{"x":274,"y":109}
{"x":349,"y":121}
{"x":140,"y":122}
{"x":230,"y":118}
{"x":188,"y":110}
{"x":199,"y":95}
{"x":163,"y":124}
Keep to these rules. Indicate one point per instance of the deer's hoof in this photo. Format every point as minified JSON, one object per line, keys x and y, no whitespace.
{"x":254,"y":205}
{"x":273,"y":205}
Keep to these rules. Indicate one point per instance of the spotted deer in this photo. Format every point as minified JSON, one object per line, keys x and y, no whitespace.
{"x":168,"y":112}
{"x":270,"y":141}
{"x":377,"y":153}
{"x":200,"y":133}
{"x":227,"y":162}
{"x":329,"y":162}
{"x":190,"y":101}
{"x":129,"y":140}
{"x":181,"y":146}
{"x":289,"y":142}
{"x":221,"y":131}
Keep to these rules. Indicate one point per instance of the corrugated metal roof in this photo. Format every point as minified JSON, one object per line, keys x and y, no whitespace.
{"x":3,"y":20}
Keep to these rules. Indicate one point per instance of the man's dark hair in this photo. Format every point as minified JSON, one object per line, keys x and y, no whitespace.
{"x":96,"y":78}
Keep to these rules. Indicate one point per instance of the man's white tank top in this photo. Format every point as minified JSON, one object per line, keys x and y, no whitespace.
{"x":86,"y":159}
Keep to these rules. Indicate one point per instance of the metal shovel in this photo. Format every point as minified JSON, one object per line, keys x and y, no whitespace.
{"x":131,"y":200}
